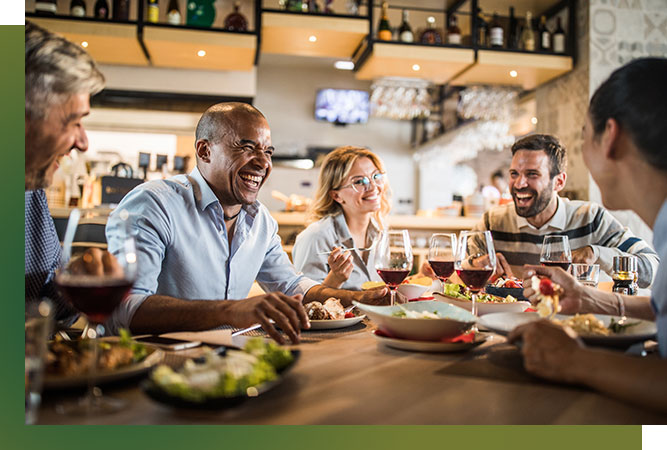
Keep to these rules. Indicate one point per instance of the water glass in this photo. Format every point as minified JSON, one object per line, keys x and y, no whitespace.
{"x":586,"y":274}
{"x":38,"y":325}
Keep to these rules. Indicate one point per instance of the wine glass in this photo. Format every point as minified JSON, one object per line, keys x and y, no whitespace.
{"x":441,"y":255}
{"x":95,"y":292}
{"x":393,"y":258}
{"x":556,"y":251}
{"x":475,"y":261}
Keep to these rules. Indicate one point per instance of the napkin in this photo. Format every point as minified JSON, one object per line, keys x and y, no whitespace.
{"x":211,"y":337}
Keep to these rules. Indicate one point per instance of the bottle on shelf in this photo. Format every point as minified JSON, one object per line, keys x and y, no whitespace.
{"x":527,"y":35}
{"x":405,"y":32}
{"x":295,"y":5}
{"x":482,"y":30}
{"x":496,"y":33}
{"x":313,"y":6}
{"x":559,"y":38}
{"x":453,"y":31}
{"x":101,"y":9}
{"x":200,"y":13}
{"x":77,"y":8}
{"x":512,"y":31}
{"x":121,"y":10}
{"x":384,"y":30}
{"x":431,"y":35}
{"x":153,"y":12}
{"x":174,"y":13}
{"x":545,"y":36}
{"x":46,"y":7}
{"x":235,"y":21}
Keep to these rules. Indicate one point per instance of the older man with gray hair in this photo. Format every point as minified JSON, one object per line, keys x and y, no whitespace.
{"x":60,"y":77}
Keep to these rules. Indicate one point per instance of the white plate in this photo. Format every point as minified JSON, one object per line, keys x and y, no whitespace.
{"x":154,"y":357}
{"x":484,"y":307}
{"x":335,"y":324}
{"x":430,"y":346}
{"x":452,"y":320}
{"x":503,"y":323}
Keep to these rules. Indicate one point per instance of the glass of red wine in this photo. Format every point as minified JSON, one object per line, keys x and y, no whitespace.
{"x":95,"y":283}
{"x":442,"y":254}
{"x":393,"y":258}
{"x":556,"y":252}
{"x":475,"y":261}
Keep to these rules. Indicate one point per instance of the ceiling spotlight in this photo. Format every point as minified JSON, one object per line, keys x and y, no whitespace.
{"x":201,"y":53}
{"x":533,"y":120}
{"x":84,"y":44}
{"x":513,"y":73}
{"x":415,"y":67}
{"x":344,"y":65}
{"x":313,"y":38}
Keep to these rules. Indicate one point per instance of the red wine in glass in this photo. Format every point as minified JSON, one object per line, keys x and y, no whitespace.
{"x":443,"y":269}
{"x":94,"y":296}
{"x":565,"y":265}
{"x":393,"y":277}
{"x":475,"y":279}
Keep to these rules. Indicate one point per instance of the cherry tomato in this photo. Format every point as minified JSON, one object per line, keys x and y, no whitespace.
{"x":349,"y":315}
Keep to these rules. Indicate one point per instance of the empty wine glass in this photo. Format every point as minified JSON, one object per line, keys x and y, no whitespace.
{"x":556,"y":251}
{"x":442,"y":254}
{"x":393,"y":258}
{"x":475,"y":261}
{"x":95,"y":292}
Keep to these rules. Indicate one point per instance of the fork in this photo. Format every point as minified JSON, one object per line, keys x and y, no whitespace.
{"x":350,"y":249}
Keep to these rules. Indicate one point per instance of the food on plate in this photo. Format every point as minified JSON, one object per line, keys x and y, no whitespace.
{"x":330,"y":310}
{"x":224,"y":376}
{"x":372,"y":285}
{"x":460,"y":292}
{"x":589,"y":325}
{"x":65,"y":358}
{"x":548,"y":294}
{"x":511,"y":282}
{"x":416,"y":314}
{"x":489,"y":298}
{"x":417,"y":279}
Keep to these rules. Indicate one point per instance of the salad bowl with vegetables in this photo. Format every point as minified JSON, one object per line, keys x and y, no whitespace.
{"x":457,"y":295}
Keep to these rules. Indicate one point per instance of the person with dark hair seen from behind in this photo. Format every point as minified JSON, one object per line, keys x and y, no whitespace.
{"x":624,"y":149}
{"x":536,"y":175}
{"x":60,"y":77}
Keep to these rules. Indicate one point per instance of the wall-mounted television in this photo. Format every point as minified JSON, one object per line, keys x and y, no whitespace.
{"x":342,"y":106}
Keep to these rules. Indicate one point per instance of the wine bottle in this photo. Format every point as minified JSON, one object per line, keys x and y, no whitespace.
{"x":453,"y":31}
{"x":46,"y":7}
{"x":559,"y":38}
{"x":77,"y":8}
{"x":153,"y":13}
{"x":431,"y":35}
{"x":384,"y":30}
{"x":295,"y":5}
{"x":512,"y":31}
{"x":527,"y":35}
{"x":496,"y":33}
{"x":235,"y":21}
{"x":173,"y":13}
{"x":101,"y":9}
{"x":482,"y":30}
{"x":405,"y":32}
{"x":121,"y":10}
{"x":545,"y":36}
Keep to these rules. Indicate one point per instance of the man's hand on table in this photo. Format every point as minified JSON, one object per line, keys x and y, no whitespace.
{"x":379,"y":296}
{"x":584,"y":255}
{"x":502,"y":268}
{"x":549,"y":350}
{"x":570,"y":300}
{"x":287,"y":313}
{"x":95,"y":261}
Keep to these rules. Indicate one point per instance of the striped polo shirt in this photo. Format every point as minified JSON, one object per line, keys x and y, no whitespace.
{"x":584,"y":223}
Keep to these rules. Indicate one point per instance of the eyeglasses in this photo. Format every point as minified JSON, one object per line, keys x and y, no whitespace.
{"x":363,"y":184}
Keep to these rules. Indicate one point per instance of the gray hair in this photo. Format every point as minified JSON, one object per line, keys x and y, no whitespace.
{"x":55,"y":69}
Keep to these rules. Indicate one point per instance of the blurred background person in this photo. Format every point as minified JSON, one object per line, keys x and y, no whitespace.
{"x":351,"y":204}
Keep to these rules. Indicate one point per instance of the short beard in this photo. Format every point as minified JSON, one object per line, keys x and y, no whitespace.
{"x":540,"y":203}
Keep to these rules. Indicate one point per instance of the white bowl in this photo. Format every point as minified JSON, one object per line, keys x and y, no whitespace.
{"x":453,"y":322}
{"x":483,"y":307}
{"x":412,"y":291}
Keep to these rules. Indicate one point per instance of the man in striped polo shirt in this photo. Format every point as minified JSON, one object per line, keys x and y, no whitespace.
{"x":537,"y":174}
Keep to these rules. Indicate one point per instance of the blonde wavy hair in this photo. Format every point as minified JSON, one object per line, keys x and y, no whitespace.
{"x":336,"y":167}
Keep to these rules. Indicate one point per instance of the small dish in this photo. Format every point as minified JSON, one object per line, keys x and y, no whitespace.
{"x":412,"y":291}
{"x":429,"y":346}
{"x":484,"y":308}
{"x":335,"y":324}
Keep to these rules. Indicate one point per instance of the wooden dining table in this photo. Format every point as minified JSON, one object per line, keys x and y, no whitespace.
{"x":347,"y":376}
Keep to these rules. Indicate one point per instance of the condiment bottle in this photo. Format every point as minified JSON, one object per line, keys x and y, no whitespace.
{"x":625,"y":275}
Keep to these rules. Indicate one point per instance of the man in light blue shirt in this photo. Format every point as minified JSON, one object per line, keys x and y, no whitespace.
{"x":203,"y":238}
{"x":626,"y":152}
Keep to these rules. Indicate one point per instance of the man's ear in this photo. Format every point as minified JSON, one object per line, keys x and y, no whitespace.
{"x":203,"y":150}
{"x":559,"y":181}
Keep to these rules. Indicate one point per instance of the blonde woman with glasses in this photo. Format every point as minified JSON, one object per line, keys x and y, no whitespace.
{"x":349,"y":211}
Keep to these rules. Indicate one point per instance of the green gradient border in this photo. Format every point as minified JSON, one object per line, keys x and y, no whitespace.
{"x":15,"y":435}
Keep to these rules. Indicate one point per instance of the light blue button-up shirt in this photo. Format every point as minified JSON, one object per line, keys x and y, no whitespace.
{"x":183,"y":250}
{"x":659,"y":289}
